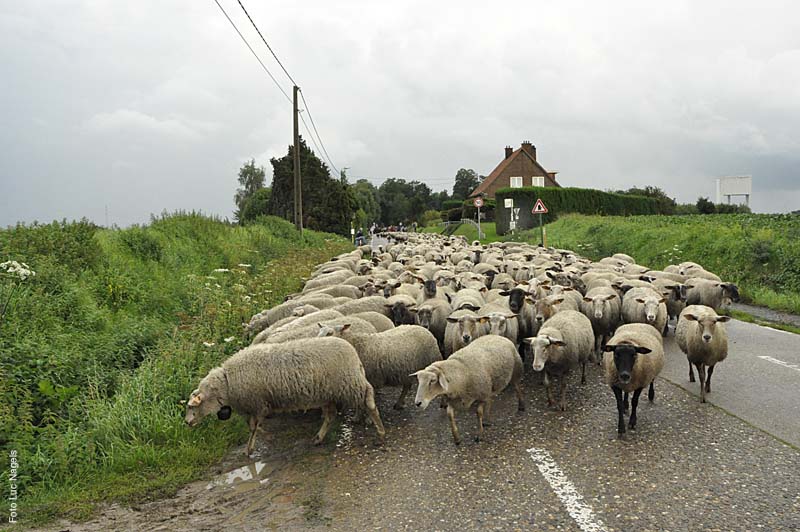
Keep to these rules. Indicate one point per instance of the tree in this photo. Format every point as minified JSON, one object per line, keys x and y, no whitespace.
{"x":705,"y":206}
{"x":256,"y":205}
{"x":466,"y":181}
{"x":367,"y":198}
{"x":251,"y":179}
{"x":328,"y":204}
{"x":666,"y":205}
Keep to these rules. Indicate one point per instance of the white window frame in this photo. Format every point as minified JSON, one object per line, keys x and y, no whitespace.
{"x":517,"y":180}
{"x":537,"y":181}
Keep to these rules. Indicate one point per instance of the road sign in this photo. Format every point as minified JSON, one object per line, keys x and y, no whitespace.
{"x":478,"y":202}
{"x":539,"y":208}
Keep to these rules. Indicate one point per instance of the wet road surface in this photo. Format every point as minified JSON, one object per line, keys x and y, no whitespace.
{"x":688,"y":466}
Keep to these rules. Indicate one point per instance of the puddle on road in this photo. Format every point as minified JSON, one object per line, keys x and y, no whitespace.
{"x":243,"y":478}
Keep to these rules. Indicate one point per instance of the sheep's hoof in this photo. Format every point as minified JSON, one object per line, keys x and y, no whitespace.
{"x":487,"y":424}
{"x":521,"y":408}
{"x":457,"y":442}
{"x":563,"y":408}
{"x":691,"y":378}
{"x":477,"y":439}
{"x":316,"y":441}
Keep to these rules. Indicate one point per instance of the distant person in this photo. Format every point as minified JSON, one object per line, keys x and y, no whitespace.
{"x":414,"y":226}
{"x":360,"y":237}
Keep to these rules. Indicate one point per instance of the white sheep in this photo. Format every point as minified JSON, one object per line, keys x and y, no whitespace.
{"x":474,"y":374}
{"x":272,"y":378}
{"x":602,"y":306}
{"x":463,"y":326}
{"x":714,"y":294}
{"x":645,"y":305}
{"x":704,"y":343}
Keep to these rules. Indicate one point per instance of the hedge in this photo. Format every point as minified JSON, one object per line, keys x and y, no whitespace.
{"x":564,"y":200}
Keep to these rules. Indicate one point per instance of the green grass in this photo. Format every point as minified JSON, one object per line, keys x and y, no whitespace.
{"x":759,"y":252}
{"x":432,"y":229}
{"x":100,"y":347}
{"x":470,"y":232}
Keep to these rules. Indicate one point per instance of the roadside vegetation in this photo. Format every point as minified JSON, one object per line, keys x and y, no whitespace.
{"x":113,"y":330}
{"x":759,"y":252}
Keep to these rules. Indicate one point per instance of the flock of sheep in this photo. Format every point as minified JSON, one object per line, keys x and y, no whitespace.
{"x":459,"y":319}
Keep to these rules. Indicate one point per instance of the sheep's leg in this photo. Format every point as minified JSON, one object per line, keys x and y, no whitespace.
{"x":549,"y":386}
{"x":487,"y":408}
{"x":451,"y":413}
{"x":253,"y":422}
{"x":634,"y":404}
{"x":691,"y":373}
{"x":520,"y":400}
{"x":651,"y":393}
{"x":625,"y":407}
{"x":620,"y":410}
{"x":400,"y":400}
{"x":666,"y":329}
{"x":708,"y":378}
{"x":701,"y":376}
{"x":328,"y":415}
{"x":583,"y":372}
{"x":373,"y":413}
{"x":563,"y":391}
{"x":479,"y":411}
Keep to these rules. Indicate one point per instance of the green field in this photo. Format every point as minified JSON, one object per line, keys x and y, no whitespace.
{"x":113,"y":331}
{"x":759,"y":252}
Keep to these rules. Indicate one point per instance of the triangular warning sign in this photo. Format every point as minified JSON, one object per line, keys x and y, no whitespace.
{"x":539,"y":208}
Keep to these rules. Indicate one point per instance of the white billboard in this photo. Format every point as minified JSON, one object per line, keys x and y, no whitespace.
{"x":734,"y":186}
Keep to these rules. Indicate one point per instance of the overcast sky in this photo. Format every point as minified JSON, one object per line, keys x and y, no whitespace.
{"x":155,"y":104}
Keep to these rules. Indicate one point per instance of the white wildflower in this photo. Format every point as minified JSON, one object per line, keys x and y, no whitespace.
{"x":21,"y":270}
{"x":218,"y":286}
{"x":245,"y":265}
{"x":221,"y":270}
{"x":229,"y":339}
{"x":246,"y":298}
{"x":209,"y":344}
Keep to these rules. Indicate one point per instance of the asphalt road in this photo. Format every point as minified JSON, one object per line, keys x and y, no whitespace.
{"x":724,"y":465}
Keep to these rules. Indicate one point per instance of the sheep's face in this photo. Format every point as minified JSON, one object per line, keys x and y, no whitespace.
{"x":207,"y":399}
{"x":498,"y":323}
{"x":429,"y":288}
{"x":469,"y":327}
{"x":425,"y":316}
{"x":625,"y":359}
{"x":730,"y":293}
{"x":432,"y":383}
{"x":516,"y":299}
{"x":707,"y":325}
{"x":651,"y":305}
{"x":401,"y":314}
{"x":544,"y":348}
{"x":599,"y":305}
{"x":545,"y":308}
{"x":390,"y":289}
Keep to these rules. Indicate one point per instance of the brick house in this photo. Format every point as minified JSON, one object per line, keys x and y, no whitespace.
{"x":519,"y":168}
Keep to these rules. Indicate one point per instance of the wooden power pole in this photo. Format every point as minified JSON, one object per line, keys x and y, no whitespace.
{"x":298,"y":191}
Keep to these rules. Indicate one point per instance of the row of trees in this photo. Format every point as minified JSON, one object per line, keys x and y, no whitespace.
{"x":331,"y":204}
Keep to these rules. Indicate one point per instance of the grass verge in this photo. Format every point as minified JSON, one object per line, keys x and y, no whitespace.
{"x":113,"y":331}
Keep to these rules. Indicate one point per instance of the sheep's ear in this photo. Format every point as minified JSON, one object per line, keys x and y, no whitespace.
{"x":413,"y":310}
{"x":504,"y":293}
{"x":483,"y":319}
{"x":388,"y":305}
{"x":528,"y":340}
{"x":196,"y":399}
{"x":530,"y":299}
{"x":568,"y":288}
{"x":639,"y":300}
{"x":320,"y":325}
{"x":483,"y":290}
{"x":662,"y":300}
{"x":690,"y":317}
{"x":345,"y":327}
{"x":610,"y":297}
{"x":443,"y":382}
{"x":559,"y":343}
{"x":451,"y":319}
{"x":723,"y":319}
{"x":588,"y":299}
{"x":416,"y":373}
{"x":511,"y":316}
{"x":550,"y":274}
{"x":558,"y":300}
{"x":473,"y":308}
{"x":642,"y":350}
{"x":608,"y":348}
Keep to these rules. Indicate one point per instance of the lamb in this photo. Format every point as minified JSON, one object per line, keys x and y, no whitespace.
{"x":379,"y":321}
{"x":389,"y":357}
{"x":550,"y":305}
{"x":675,"y":293}
{"x":563,"y":342}
{"x":645,"y":305}
{"x":472,"y":375}
{"x":602,"y":306}
{"x":712,"y":294}
{"x":634,"y":358}
{"x":520,"y":304}
{"x":704,"y":343}
{"x":272,"y":378}
{"x":463,"y":326}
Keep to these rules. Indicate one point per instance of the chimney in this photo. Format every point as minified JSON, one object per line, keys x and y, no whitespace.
{"x":509,"y":151}
{"x":529,"y":148}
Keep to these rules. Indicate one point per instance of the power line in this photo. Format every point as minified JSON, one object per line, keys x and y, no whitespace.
{"x":328,"y":157}
{"x":253,"y":51}
{"x":265,"y":42}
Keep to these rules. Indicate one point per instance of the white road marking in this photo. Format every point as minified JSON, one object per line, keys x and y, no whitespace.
{"x":566,"y":492}
{"x":780,"y":362}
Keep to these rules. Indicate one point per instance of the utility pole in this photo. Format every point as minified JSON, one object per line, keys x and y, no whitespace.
{"x":298,"y":191}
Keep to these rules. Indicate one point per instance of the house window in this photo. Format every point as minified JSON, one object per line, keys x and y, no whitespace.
{"x":516,"y":182}
{"x":537,"y":181}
